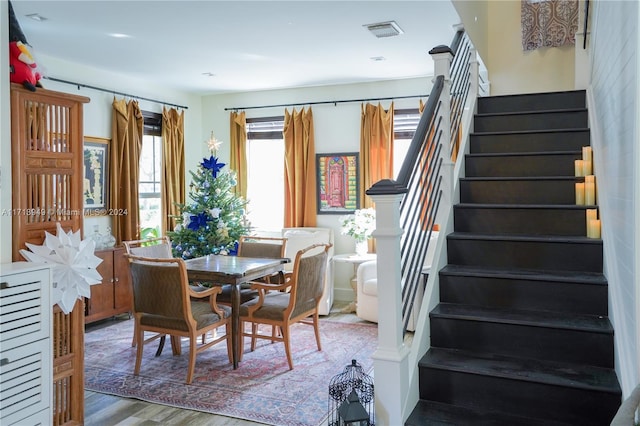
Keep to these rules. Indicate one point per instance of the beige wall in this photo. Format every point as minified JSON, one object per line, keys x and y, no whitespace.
{"x":496,"y":33}
{"x":514,"y":71}
{"x":474,"y":15}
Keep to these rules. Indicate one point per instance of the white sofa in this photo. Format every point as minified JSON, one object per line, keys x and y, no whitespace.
{"x":299,"y":238}
{"x":367,"y":287}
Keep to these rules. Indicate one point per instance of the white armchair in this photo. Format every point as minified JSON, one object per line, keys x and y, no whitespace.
{"x":367,"y":287}
{"x":299,"y":238}
{"x":367,"y":291}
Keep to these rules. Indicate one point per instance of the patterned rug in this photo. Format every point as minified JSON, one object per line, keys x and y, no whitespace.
{"x":262,"y":389}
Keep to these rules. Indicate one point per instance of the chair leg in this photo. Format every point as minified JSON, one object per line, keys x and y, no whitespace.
{"x":176,"y":345}
{"x":161,"y":345}
{"x":254,"y":332}
{"x":287,"y":349}
{"x":135,"y":336}
{"x":140,"y":339}
{"x":192,"y":358}
{"x":316,"y":323}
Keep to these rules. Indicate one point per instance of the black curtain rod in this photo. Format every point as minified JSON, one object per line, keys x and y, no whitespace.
{"x":73,"y":83}
{"x":326,"y":102}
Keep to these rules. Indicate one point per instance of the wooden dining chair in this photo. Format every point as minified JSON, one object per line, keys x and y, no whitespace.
{"x":299,"y":303}
{"x":164,"y":303}
{"x":263,"y":247}
{"x":160,"y":248}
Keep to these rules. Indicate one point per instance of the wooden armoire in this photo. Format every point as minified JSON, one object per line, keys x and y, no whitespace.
{"x":47,"y":170}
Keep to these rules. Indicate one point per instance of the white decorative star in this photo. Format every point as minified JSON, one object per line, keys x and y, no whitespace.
{"x":213,"y":144}
{"x":74,"y":266}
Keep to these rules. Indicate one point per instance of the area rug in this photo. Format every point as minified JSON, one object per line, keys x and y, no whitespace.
{"x":262,"y":389}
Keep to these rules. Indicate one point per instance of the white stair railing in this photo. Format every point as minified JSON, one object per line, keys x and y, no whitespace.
{"x":395,"y":363}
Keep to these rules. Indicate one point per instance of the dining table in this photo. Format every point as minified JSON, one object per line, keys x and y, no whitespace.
{"x":221,"y":270}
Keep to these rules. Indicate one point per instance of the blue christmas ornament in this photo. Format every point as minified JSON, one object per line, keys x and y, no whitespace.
{"x":213,"y":165}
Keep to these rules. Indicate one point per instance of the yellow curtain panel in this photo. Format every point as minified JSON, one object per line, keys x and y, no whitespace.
{"x":300,"y":169}
{"x":126,"y":145}
{"x":173,"y":168}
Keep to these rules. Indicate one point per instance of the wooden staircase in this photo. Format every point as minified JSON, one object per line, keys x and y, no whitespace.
{"x":521,"y":334}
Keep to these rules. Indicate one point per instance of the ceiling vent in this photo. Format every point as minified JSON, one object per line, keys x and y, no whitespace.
{"x":384,"y":29}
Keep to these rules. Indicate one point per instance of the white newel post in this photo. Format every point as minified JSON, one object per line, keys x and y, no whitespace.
{"x":442,"y":57}
{"x":390,"y":361}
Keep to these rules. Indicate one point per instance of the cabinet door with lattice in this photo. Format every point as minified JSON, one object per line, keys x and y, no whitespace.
{"x":46,"y":142}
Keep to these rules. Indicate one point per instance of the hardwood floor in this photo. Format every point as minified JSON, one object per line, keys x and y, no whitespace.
{"x":107,"y":410}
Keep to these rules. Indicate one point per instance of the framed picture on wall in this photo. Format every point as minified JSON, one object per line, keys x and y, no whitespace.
{"x":338,"y":183}
{"x":95,"y":186}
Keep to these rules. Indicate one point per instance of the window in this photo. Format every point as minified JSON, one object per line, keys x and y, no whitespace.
{"x":149,"y":192}
{"x":405,"y":123}
{"x":265,"y":172}
{"x":265,"y":164}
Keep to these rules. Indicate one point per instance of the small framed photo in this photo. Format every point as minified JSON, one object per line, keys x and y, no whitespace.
{"x":338,"y":183}
{"x":95,"y":186}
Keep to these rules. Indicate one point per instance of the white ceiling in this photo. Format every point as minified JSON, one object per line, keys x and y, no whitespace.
{"x":248,"y":45}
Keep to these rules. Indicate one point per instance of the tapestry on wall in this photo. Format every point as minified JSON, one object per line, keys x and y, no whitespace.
{"x":548,"y":23}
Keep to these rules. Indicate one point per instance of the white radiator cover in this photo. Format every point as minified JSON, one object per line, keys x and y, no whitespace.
{"x":25,"y":344}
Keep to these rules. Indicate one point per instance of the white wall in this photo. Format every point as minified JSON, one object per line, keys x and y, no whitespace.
{"x":614,"y":84}
{"x":5,"y":137}
{"x":337,"y":129}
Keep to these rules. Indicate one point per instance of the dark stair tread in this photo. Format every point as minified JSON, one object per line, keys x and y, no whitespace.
{"x":523,"y":238}
{"x":594,"y":278}
{"x":577,"y":376}
{"x":534,"y":112}
{"x":434,"y":413}
{"x":549,"y":319}
{"x":521,"y":154}
{"x":536,"y":178}
{"x":520,"y":206}
{"x":526,"y":132}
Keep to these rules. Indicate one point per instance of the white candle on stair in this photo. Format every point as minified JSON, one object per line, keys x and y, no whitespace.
{"x":594,"y":228}
{"x":589,"y":193}
{"x":592,"y":214}
{"x":580,"y":193}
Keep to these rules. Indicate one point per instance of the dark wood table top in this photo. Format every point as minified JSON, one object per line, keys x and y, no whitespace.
{"x":232,"y":269}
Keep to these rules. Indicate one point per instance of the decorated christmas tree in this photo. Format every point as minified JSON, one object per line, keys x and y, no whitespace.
{"x":214,"y":219}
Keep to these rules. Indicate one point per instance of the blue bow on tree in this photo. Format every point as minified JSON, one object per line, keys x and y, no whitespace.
{"x":234,"y":250}
{"x":213,"y":165}
{"x":197,"y":221}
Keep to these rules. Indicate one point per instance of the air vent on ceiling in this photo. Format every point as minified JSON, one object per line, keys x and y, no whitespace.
{"x":384,"y":29}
